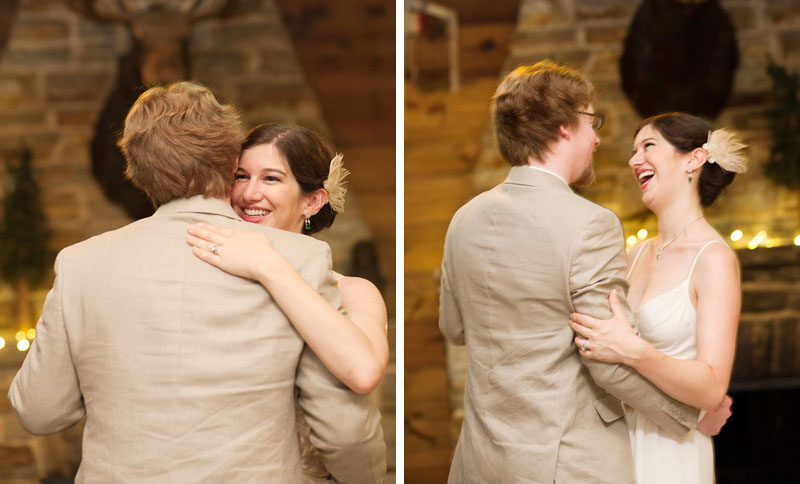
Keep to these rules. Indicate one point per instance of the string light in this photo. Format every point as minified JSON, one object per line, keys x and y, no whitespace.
{"x":2,"y":343}
{"x":756,"y":241}
{"x":736,"y":235}
{"x":797,"y":240}
{"x":631,"y":240}
{"x":770,"y":243}
{"x":23,"y":345}
{"x":31,"y":333}
{"x":20,"y":335}
{"x":641,"y":234}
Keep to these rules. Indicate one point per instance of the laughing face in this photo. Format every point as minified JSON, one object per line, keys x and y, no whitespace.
{"x":266,"y":192}
{"x":656,"y":167}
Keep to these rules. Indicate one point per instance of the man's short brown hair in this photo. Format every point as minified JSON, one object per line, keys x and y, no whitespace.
{"x":179,"y":141}
{"x":531,"y":103}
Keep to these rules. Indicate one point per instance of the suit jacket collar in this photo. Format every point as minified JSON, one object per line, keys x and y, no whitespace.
{"x":520,"y":175}
{"x":198,"y":204}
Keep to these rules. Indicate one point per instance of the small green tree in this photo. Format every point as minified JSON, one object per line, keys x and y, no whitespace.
{"x":783,"y":166}
{"x":24,"y":254}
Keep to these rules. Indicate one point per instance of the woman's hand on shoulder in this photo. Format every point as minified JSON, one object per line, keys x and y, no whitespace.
{"x":241,"y":253}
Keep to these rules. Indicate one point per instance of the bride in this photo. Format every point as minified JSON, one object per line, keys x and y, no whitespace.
{"x":288,"y":180}
{"x":686,"y":286}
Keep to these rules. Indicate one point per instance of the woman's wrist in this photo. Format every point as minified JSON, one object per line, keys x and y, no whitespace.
{"x":638,"y":352}
{"x":272,"y":268}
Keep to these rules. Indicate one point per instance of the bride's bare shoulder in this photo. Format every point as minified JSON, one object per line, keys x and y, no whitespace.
{"x":358,"y":286}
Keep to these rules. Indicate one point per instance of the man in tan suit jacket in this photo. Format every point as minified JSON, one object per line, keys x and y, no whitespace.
{"x":518,"y":260}
{"x":187,"y":374}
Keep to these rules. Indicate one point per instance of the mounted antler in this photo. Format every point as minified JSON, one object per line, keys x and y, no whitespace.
{"x":159,"y":55}
{"x":89,"y":10}
{"x":160,"y":29}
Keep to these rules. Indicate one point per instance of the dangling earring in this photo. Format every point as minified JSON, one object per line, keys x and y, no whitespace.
{"x":690,"y":175}
{"x":308,"y":222}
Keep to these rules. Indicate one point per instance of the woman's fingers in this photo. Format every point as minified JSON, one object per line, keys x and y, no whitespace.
{"x":614,"y":304}
{"x":201,"y":243}
{"x":581,"y":330}
{"x":204,"y":231}
{"x":583,"y":345}
{"x":205,"y":255}
{"x":583,"y":320}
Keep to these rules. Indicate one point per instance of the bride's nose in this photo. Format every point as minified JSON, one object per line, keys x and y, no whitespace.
{"x":251,"y":192}
{"x":636,"y":159}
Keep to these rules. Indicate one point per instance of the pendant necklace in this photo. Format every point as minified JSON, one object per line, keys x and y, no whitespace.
{"x":659,"y":249}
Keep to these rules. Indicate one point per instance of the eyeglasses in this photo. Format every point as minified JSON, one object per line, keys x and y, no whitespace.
{"x":597,"y":119}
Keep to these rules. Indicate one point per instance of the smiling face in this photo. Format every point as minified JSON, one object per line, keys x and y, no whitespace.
{"x":266,"y":192}
{"x":657,"y":167}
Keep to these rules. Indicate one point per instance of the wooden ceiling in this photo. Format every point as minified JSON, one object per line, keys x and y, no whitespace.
{"x":347,"y":50}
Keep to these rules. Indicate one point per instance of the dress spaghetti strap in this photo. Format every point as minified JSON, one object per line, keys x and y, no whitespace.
{"x":636,"y":258}
{"x":697,"y":257}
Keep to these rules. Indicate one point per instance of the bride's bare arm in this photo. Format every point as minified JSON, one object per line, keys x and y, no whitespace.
{"x":702,"y":382}
{"x":354,"y":347}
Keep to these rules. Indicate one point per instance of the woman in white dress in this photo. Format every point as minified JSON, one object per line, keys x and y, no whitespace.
{"x":685,"y":291}
{"x":288,"y":179}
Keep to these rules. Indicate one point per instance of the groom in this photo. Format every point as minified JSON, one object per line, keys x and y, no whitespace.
{"x":185,"y":373}
{"x":518,"y":260}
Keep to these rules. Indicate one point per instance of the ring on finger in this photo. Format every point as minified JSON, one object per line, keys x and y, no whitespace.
{"x":583,"y":346}
{"x":214,"y":248}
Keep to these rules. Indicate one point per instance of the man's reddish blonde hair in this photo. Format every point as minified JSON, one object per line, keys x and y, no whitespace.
{"x":531,"y":103}
{"x":179,"y":141}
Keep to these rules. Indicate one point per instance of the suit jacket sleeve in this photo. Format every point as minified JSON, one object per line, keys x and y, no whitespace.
{"x":345,"y":427}
{"x":598,"y":266}
{"x":45,"y":393}
{"x":450,"y":322}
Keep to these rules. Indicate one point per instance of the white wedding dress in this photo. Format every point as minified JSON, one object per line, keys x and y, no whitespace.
{"x":668,"y":322}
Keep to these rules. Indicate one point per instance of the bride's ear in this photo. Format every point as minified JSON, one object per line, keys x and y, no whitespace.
{"x":315,"y":201}
{"x":697,"y":157}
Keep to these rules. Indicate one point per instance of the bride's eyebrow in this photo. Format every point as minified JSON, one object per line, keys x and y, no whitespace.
{"x":633,"y":151}
{"x":273,"y":170}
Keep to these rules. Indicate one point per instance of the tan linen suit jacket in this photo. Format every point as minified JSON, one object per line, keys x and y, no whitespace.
{"x":518,"y":260}
{"x":187,"y":374}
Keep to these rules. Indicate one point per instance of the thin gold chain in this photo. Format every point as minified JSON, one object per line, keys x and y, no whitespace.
{"x":659,"y":249}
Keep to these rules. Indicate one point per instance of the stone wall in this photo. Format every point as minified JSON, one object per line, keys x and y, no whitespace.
{"x":55,"y":74}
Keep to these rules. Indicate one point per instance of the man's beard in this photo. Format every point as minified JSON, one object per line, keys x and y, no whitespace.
{"x":587,"y":177}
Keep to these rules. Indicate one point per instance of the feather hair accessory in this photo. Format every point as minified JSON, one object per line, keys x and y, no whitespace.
{"x":725,"y":149}
{"x":335,"y":184}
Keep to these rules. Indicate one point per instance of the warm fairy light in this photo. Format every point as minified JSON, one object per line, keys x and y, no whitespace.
{"x":23,"y":345}
{"x":797,"y":240}
{"x":2,"y":343}
{"x":770,"y":243}
{"x":736,"y":235}
{"x":641,"y":234}
{"x":756,"y":241}
{"x":31,"y":333}
{"x":631,"y":240}
{"x":20,"y":335}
